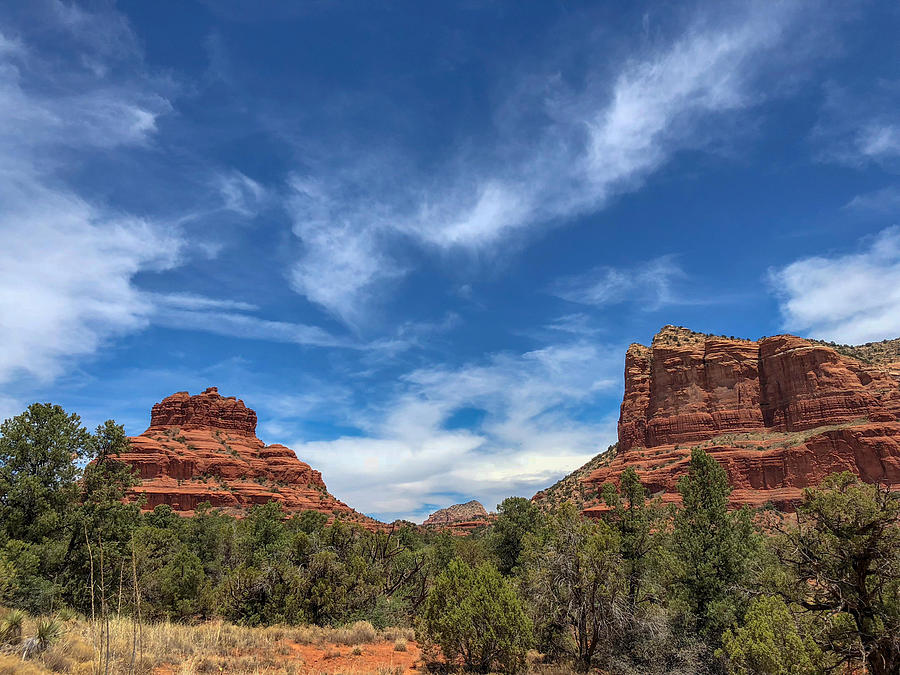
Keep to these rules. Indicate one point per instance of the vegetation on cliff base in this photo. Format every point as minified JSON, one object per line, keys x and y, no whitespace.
{"x":644,"y":589}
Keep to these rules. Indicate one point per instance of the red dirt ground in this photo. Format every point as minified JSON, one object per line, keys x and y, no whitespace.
{"x":305,"y":659}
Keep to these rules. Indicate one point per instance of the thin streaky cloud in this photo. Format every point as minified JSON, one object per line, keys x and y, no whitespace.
{"x":884,"y":201}
{"x":651,"y":283}
{"x":600,"y":142}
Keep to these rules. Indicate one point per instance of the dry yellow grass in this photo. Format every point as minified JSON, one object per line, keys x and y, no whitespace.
{"x":221,"y":647}
{"x":210,"y":647}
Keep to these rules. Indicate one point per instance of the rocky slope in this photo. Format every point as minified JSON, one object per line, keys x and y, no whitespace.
{"x":459,"y":518}
{"x":573,"y":487}
{"x":779,"y":413}
{"x":204,"y":448}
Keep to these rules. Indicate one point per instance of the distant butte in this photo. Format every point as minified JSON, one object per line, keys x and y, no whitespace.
{"x":204,"y":448}
{"x":460,"y":518}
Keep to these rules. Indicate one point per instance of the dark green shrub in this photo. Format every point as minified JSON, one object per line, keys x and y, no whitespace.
{"x":475,"y":616}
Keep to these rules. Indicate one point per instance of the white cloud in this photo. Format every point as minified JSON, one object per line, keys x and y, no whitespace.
{"x":574,"y":324}
{"x":879,"y":140}
{"x":650,"y":283}
{"x":850,"y":298}
{"x":240,"y":193}
{"x":342,"y":257}
{"x":883,"y":201}
{"x":10,"y":407}
{"x":234,"y":324}
{"x":65,"y":276}
{"x":859,"y":128}
{"x":67,"y":263}
{"x":599,"y":141}
{"x":530,"y":419}
{"x":193,"y":303}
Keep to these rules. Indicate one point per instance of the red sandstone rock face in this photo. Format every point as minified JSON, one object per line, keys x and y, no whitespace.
{"x":208,"y":410}
{"x":204,"y":448}
{"x":460,"y":518}
{"x":779,"y":414}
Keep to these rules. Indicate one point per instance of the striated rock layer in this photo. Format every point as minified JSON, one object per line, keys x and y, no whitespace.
{"x":779,"y":414}
{"x":460,"y":518}
{"x":204,"y":448}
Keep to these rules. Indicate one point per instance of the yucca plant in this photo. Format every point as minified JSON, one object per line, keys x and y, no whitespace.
{"x":66,"y":614}
{"x":49,"y":630}
{"x":11,"y":627}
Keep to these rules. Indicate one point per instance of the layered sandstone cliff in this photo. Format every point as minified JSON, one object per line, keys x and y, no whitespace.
{"x":203,"y":448}
{"x":779,"y":413}
{"x":460,"y":518}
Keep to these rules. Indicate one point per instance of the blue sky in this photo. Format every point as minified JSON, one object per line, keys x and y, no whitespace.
{"x":418,"y":237}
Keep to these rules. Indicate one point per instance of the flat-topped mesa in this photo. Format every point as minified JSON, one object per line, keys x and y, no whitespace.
{"x":204,"y":448}
{"x":690,"y":389}
{"x":779,"y":413}
{"x":208,"y":410}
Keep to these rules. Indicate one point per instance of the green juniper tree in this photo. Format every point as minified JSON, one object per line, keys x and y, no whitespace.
{"x":475,"y":615}
{"x":38,"y":493}
{"x":640,"y":525}
{"x":517,"y":518}
{"x":771,"y":641}
{"x":844,"y":560}
{"x":713,"y":551}
{"x":642,"y":528}
{"x":99,"y":547}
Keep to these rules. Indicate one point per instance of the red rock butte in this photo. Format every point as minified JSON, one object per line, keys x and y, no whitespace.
{"x":204,"y":448}
{"x":779,"y":414}
{"x":460,"y":518}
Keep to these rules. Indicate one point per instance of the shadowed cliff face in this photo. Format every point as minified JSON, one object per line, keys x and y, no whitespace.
{"x":779,"y":414}
{"x":204,"y":448}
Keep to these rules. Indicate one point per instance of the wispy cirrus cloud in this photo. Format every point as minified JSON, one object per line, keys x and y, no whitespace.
{"x":593,"y":143}
{"x":240,"y":193}
{"x":859,"y":128}
{"x":67,"y":263}
{"x":883,"y":201}
{"x":651,"y":284}
{"x":850,"y":298}
{"x":236,"y":324}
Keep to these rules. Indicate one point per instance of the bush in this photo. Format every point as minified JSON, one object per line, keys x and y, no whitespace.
{"x":359,"y":633}
{"x":768,"y":641}
{"x":475,"y":616}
